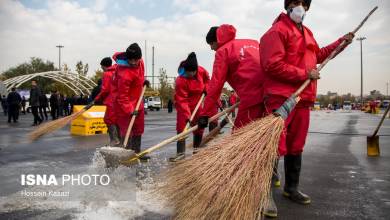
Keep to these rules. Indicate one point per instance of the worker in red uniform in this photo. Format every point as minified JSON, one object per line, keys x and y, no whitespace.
{"x":373,"y":107}
{"x":232,"y":101}
{"x":105,"y":96}
{"x":128,"y":84}
{"x":190,"y":85}
{"x":236,"y":62}
{"x":289,"y":55}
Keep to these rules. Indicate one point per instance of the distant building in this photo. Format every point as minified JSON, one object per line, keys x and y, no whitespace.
{"x":332,"y":95}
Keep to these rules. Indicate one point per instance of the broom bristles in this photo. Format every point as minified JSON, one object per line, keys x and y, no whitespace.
{"x":230,"y":179}
{"x":52,"y":126}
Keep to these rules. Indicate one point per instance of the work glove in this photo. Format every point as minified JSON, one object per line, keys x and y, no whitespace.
{"x":313,"y":74}
{"x":349,"y":37}
{"x":134,"y":113}
{"x":147,"y":83}
{"x":203,"y":121}
{"x":97,"y":101}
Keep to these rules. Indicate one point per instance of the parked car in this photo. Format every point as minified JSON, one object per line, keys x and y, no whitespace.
{"x":347,"y":106}
{"x":146,"y":103}
{"x":154,"y":102}
{"x":385,"y":103}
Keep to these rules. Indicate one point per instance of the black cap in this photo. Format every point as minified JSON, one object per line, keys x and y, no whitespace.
{"x":212,"y":35}
{"x":106,"y":61}
{"x":191,"y":63}
{"x":287,"y":2}
{"x":133,"y":52}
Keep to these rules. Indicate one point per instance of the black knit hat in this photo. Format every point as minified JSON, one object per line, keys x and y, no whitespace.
{"x":133,"y":52}
{"x":212,"y":35}
{"x":106,"y":61}
{"x":191,"y":63}
{"x":287,"y":2}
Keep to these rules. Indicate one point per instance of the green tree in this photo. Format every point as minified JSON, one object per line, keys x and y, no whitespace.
{"x":98,"y":75}
{"x":166,"y":90}
{"x":82,"y":69}
{"x":35,"y":65}
{"x":66,"y":68}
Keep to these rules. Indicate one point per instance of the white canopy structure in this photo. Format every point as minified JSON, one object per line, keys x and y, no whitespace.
{"x":78,"y":84}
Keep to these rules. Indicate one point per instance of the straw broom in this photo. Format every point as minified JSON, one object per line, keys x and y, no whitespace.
{"x":213,"y":133}
{"x":52,"y":126}
{"x":134,"y":158}
{"x":232,"y":178}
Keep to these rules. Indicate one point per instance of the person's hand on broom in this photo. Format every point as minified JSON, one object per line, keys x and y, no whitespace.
{"x":349,"y":38}
{"x":90,"y":104}
{"x":147,"y":83}
{"x":98,"y":100}
{"x":313,"y":74}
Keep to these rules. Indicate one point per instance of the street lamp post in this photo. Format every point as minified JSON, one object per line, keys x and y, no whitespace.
{"x":152,"y":67}
{"x":59,"y":56}
{"x":361,"y":39}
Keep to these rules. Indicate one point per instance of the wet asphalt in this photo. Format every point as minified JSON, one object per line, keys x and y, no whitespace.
{"x":342,"y":181}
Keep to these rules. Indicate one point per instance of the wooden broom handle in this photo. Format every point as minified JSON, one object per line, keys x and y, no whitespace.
{"x":141,"y":97}
{"x":196,"y":110}
{"x":381,"y":122}
{"x":179,"y":136}
{"x":333,"y":54}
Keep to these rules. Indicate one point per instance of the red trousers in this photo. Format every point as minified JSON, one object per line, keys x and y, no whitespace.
{"x":296,"y":126}
{"x":181,"y":122}
{"x":109,"y":115}
{"x":138,"y":127}
{"x":245,"y":116}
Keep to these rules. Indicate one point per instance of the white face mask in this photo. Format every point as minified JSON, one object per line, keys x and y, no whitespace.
{"x":297,"y":14}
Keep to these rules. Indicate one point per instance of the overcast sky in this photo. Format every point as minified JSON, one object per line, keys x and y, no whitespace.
{"x":93,"y":29}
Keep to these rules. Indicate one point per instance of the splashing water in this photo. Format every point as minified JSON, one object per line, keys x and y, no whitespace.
{"x":129,"y":195}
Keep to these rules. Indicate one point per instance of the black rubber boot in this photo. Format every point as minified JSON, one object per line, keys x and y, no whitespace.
{"x":122,"y":144}
{"x":292,"y":169}
{"x":271,"y":211}
{"x":136,"y":146}
{"x":181,"y":150}
{"x":275,"y":175}
{"x":212,"y":125}
{"x":197,"y":141}
{"x":113,"y":132}
{"x":120,"y":141}
{"x":224,"y":122}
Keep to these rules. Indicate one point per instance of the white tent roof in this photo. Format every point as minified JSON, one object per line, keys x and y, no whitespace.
{"x":78,"y":84}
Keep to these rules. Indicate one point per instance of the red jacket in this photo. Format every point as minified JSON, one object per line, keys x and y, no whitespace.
{"x":287,"y":55}
{"x":236,"y":62}
{"x":188,"y":92}
{"x":128,"y":83}
{"x":105,"y":92}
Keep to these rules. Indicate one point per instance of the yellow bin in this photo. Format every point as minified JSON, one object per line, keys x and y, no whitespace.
{"x":90,"y":122}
